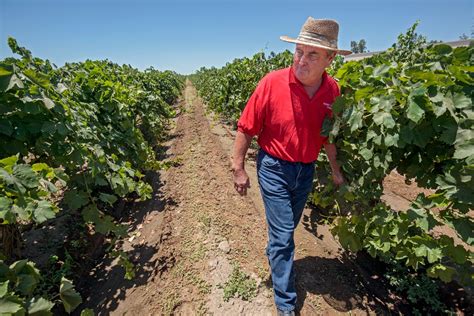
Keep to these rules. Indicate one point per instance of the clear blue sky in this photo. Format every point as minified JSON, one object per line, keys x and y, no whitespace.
{"x":184,"y":35}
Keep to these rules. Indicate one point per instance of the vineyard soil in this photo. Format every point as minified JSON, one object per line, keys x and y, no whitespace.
{"x":188,"y":239}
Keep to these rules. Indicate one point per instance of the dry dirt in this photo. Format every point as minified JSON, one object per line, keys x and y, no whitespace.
{"x":186,"y":240}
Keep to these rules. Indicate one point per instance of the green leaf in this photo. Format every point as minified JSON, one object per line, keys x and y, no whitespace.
{"x":39,"y":167}
{"x":26,"y":176}
{"x":464,"y":136}
{"x":39,"y":78}
{"x":418,"y":91}
{"x":386,"y":103}
{"x":76,"y":199}
{"x":100,"y":181}
{"x":108,"y":198}
{"x":462,"y":53}
{"x":458,"y":253}
{"x":338,"y":105}
{"x":70,"y":298}
{"x":381,"y":70}
{"x":11,"y":180}
{"x":6,"y":127}
{"x":461,"y":101}
{"x":9,"y":80}
{"x":464,"y":227}
{"x":448,"y":135}
{"x":347,"y":239}
{"x":414,"y":261}
{"x":48,"y":103}
{"x":355,"y":121}
{"x":363,"y":93}
{"x":421,"y":137}
{"x":44,"y":211}
{"x":105,"y":225}
{"x":384,"y":118}
{"x":402,"y":254}
{"x":27,"y":276}
{"x":434,"y":254}
{"x":3,"y":288}
{"x":442,"y":49}
{"x":27,"y":283}
{"x":414,"y":112}
{"x":391,"y":140}
{"x":441,"y":271}
{"x":366,"y":153}
{"x":11,"y":305}
{"x":39,"y":307}
{"x":6,"y":215}
{"x":87,"y":312}
{"x":5,"y":70}
{"x":464,"y":149}
{"x":406,"y":134}
{"x":327,"y":126}
{"x":21,"y":212}
{"x":9,"y":162}
{"x":460,"y":74}
{"x":49,"y":186}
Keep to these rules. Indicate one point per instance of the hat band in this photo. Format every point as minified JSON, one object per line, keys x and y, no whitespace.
{"x":313,"y":37}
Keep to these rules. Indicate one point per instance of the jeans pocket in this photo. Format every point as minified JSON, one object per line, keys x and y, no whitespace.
{"x":269,"y":161}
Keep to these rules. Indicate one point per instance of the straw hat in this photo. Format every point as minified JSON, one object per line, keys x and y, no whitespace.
{"x":318,"y":33}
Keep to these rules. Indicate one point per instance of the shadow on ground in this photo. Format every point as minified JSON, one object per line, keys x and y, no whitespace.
{"x":340,"y":284}
{"x":106,"y":285}
{"x":346,"y":282}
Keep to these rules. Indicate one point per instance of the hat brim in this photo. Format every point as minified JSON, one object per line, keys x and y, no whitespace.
{"x":297,"y":41}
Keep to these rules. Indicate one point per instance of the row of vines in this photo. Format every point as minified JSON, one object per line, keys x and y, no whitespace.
{"x":407,"y":109}
{"x":75,"y":141}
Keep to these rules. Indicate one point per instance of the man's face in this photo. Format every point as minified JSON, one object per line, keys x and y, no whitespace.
{"x":309,"y":63}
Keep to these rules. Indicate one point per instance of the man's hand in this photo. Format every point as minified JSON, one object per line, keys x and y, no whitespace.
{"x":241,"y":181}
{"x":337,"y":177}
{"x":331,"y":152}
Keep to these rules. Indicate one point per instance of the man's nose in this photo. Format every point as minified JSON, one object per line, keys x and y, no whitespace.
{"x":303,"y":59}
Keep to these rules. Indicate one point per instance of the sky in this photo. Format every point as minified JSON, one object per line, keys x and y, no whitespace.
{"x":185,"y":35}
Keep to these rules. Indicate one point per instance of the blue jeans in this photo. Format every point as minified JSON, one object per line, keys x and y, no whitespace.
{"x":284,"y":187}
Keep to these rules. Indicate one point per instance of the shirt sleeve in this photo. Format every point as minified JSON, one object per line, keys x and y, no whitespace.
{"x":253,"y":115}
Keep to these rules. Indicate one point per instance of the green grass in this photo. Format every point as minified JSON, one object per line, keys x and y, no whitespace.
{"x":240,"y":285}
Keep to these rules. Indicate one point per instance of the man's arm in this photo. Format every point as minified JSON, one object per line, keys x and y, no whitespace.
{"x":331,"y":151}
{"x":241,"y":179}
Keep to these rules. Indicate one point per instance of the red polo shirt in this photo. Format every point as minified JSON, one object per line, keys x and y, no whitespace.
{"x":286,"y":120}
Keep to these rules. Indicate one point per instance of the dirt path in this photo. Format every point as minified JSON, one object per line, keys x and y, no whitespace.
{"x":188,"y":240}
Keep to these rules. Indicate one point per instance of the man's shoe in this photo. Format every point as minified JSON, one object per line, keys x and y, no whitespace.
{"x":285,"y":313}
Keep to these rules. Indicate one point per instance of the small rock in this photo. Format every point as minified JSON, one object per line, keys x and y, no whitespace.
{"x":213,"y":263}
{"x":241,"y":309}
{"x":224,"y":246}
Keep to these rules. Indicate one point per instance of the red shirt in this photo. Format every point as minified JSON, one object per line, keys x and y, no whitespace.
{"x":286,"y":120}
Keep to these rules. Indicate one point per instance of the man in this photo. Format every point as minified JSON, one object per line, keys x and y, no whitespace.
{"x":286,"y":112}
